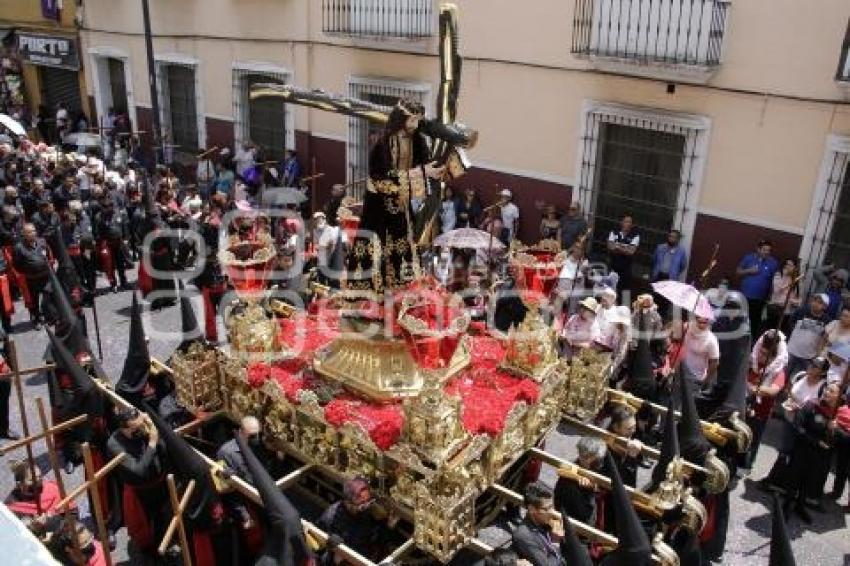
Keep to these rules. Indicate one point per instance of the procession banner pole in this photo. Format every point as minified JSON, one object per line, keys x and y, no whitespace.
{"x":16,"y":376}
{"x":96,"y":326}
{"x":398,"y":552}
{"x":178,"y":506}
{"x":102,"y":533}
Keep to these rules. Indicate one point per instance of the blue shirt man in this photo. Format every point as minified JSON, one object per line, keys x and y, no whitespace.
{"x":669,"y":260}
{"x":290,"y":169}
{"x":756,"y":271}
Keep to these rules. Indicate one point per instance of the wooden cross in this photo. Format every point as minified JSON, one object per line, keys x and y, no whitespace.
{"x":47,"y":433}
{"x":178,"y":506}
{"x":12,"y":355}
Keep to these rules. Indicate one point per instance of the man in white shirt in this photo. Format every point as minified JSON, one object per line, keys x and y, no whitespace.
{"x":510,"y":216}
{"x":329,"y":241}
{"x":701,"y":352}
{"x":62,"y":120}
{"x":607,"y":298}
{"x":245,"y":157}
{"x":205,"y":174}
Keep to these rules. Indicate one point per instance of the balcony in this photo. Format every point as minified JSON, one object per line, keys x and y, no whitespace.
{"x":381,"y":19}
{"x":670,"y":39}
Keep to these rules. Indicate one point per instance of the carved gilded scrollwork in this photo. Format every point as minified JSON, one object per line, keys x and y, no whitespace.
{"x":586,"y":392}
{"x":197,"y":378}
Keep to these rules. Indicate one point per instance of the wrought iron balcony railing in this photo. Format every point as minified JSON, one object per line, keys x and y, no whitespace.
{"x":676,"y":32}
{"x":408,"y":19}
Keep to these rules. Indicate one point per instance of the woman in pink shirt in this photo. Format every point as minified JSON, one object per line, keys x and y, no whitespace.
{"x":580,"y":330}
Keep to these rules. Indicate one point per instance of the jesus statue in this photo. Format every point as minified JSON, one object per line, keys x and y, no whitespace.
{"x":385,"y":256}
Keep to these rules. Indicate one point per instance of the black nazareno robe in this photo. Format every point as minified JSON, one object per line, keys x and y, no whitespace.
{"x":384,"y":255}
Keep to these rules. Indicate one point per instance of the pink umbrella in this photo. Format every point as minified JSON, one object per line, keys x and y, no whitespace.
{"x":468,"y":238}
{"x":685,"y":296}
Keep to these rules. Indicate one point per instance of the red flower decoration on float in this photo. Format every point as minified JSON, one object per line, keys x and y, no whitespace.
{"x":383,"y":423}
{"x":256,"y":375}
{"x":488,"y":397}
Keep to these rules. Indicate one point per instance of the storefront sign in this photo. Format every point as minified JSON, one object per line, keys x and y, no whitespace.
{"x":48,"y":50}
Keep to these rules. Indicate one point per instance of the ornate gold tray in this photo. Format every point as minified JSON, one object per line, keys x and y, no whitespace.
{"x":382,"y":369}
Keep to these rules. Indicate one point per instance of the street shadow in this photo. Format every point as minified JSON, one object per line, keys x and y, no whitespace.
{"x":830,"y":518}
{"x":124,"y":311}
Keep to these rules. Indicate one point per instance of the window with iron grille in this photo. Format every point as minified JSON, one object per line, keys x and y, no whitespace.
{"x":689,"y":32}
{"x":638,"y":164}
{"x":843,"y":73}
{"x":179,"y":107}
{"x":408,"y":19}
{"x":117,"y":84}
{"x":362,"y":134}
{"x":828,"y":228}
{"x":264,"y":120}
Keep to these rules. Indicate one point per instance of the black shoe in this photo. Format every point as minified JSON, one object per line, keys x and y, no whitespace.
{"x":834,"y":494}
{"x":36,"y":325}
{"x":10,"y":435}
{"x":69,"y":467}
{"x":113,"y":288}
{"x":766,"y":485}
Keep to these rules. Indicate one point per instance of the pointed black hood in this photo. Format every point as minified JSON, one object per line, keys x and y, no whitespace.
{"x":733,"y":330}
{"x":285,"y":544}
{"x":189,"y":323}
{"x":634,"y":548}
{"x":692,"y":442}
{"x":64,"y":313}
{"x":189,"y":466}
{"x":66,"y":361}
{"x":573,"y":551}
{"x":87,"y":398}
{"x":781,"y":553}
{"x":669,"y":446}
{"x":67,"y":272}
{"x":134,"y":376}
{"x":642,"y":375}
{"x":70,"y":328}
